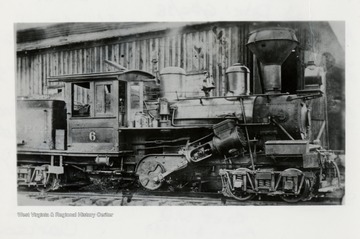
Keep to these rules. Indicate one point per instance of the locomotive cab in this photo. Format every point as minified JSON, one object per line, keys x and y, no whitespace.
{"x":98,"y":105}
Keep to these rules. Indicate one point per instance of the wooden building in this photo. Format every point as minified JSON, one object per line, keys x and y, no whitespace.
{"x":45,"y":50}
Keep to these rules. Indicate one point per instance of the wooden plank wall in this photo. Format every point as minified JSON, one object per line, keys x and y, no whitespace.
{"x":194,"y":49}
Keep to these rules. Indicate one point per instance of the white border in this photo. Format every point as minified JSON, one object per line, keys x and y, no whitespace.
{"x":179,"y":222}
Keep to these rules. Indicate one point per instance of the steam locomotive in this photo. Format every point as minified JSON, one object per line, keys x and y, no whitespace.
{"x":131,"y":126}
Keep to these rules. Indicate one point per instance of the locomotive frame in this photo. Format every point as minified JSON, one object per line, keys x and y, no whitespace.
{"x":241,"y":144}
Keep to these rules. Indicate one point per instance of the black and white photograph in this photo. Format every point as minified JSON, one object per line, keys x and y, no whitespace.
{"x":175,"y":113}
{"x":192,"y":119}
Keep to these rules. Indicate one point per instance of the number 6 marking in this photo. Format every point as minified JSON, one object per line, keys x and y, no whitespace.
{"x":92,"y":136}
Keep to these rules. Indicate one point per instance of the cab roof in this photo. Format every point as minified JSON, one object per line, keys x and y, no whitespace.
{"x":103,"y":76}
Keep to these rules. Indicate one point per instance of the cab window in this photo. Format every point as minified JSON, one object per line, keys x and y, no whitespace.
{"x":104,"y":104}
{"x":81,"y":99}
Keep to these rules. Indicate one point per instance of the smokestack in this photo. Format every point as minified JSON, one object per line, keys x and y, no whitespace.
{"x":272,"y":46}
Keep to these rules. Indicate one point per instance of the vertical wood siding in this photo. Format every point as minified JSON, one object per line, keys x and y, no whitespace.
{"x":195,"y":51}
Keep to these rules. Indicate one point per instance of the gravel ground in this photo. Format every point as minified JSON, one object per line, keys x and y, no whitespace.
{"x":24,"y":200}
{"x":58,"y":200}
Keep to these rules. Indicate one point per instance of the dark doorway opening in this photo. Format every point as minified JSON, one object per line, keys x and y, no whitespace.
{"x":289,"y":73}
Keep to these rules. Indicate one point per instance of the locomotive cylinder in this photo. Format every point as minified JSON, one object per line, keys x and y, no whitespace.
{"x":227,"y":137}
{"x":237,"y":80}
{"x":173,"y":83}
{"x":104,"y":160}
{"x":313,"y":76}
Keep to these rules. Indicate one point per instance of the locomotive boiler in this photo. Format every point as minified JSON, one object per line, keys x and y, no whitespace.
{"x":131,"y":126}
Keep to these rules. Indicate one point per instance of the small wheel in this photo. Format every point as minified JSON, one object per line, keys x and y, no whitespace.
{"x":304,"y":193}
{"x":242,"y":196}
{"x":237,"y":194}
{"x":52,"y":184}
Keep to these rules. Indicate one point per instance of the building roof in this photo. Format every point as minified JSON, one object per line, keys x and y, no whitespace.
{"x":32,"y":36}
